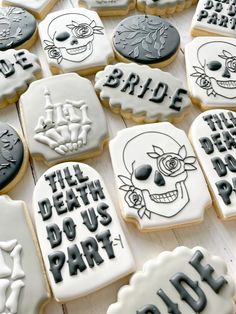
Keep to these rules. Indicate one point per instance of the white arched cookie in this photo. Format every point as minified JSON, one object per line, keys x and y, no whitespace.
{"x":185,"y":281}
{"x":156,"y":174}
{"x":109,"y":7}
{"x":213,"y":137}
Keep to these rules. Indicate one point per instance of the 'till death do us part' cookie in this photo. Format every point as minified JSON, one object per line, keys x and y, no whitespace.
{"x":156,"y":175}
{"x":18,"y":68}
{"x":39,"y":8}
{"x":185,"y":281}
{"x":63,"y":119}
{"x":146,"y":39}
{"x":213,"y":17}
{"x":18,"y":28}
{"x":75,"y":41}
{"x":213,"y":137}
{"x":82,"y":243}
{"x":21,"y":267}
{"x":141,"y":93}
{"x":211,"y":72}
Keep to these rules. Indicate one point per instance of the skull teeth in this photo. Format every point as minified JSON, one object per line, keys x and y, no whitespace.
{"x":227,"y":84}
{"x":74,"y":51}
{"x":168,"y":197}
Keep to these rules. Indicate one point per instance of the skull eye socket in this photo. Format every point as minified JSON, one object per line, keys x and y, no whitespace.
{"x":214,"y":65}
{"x":142,"y":172}
{"x":231,"y":64}
{"x":82,"y":30}
{"x":62,"y":36}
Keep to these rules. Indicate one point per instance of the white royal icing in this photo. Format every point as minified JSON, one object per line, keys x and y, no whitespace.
{"x":109,"y":6}
{"x":36,"y":6}
{"x":156,"y":175}
{"x":211,"y":71}
{"x":81,"y":240}
{"x":185,"y":281}
{"x":75,"y":40}
{"x":213,"y":137}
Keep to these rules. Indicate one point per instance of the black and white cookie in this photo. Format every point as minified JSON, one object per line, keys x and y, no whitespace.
{"x":146,"y":39}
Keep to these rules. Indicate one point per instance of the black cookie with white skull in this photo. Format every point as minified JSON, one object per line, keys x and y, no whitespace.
{"x":211,"y":72}
{"x":159,"y":180}
{"x":18,"y":28}
{"x":13,"y":157}
{"x":146,"y":39}
{"x":74,"y":40}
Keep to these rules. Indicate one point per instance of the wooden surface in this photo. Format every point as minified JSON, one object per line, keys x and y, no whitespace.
{"x":217,"y":236}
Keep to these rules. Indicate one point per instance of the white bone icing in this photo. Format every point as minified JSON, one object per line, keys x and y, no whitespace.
{"x":4,"y":283}
{"x":5,"y":271}
{"x":13,"y":299}
{"x":8,"y":246}
{"x":17,"y":271}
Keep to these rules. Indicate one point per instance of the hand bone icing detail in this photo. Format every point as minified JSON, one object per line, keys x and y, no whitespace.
{"x":155,"y":168}
{"x":75,"y":40}
{"x":66,"y":122}
{"x":211,"y":71}
{"x":149,"y":94}
{"x":213,"y":137}
{"x":185,"y":281}
{"x":92,"y":251}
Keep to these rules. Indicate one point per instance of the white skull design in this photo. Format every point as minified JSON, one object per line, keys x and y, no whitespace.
{"x":73,"y":35}
{"x":220,"y":67}
{"x":159,"y":171}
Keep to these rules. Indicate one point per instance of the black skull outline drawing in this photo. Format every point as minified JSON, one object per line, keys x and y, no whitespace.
{"x":71,"y":37}
{"x":157,"y":174}
{"x":217,"y":72}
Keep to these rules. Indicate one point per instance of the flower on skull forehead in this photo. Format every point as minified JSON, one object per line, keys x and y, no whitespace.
{"x":83,"y":30}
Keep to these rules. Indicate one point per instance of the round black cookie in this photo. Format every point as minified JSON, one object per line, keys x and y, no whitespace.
{"x":12,"y":154}
{"x":146,"y":39}
{"x":17,"y":26}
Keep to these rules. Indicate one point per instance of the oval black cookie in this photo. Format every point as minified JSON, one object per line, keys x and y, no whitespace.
{"x":17,"y":27}
{"x":13,"y":157}
{"x":146,"y":39}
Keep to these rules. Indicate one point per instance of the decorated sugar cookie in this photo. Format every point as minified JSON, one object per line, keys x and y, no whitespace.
{"x":65,"y":122}
{"x":75,"y":40}
{"x":18,"y":28}
{"x":146,"y":39}
{"x":109,"y":7}
{"x":81,"y":240}
{"x":211,"y":71}
{"x":13,"y":157}
{"x":18,"y":68}
{"x":21,"y":268}
{"x":213,"y":137}
{"x":39,"y":8}
{"x":156,"y":175}
{"x":163,"y":7}
{"x":142,"y":93}
{"x":214,"y":17}
{"x":185,"y":281}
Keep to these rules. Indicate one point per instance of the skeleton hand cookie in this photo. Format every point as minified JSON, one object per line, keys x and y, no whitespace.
{"x":21,"y":272}
{"x":185,"y":281}
{"x":82,"y":243}
{"x":211,"y":71}
{"x":75,"y":41}
{"x":213,"y":137}
{"x":65,"y":122}
{"x":155,"y":168}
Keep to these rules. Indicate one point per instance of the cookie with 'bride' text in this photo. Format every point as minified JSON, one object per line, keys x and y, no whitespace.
{"x":213,"y":135}
{"x":81,"y":240}
{"x":185,"y":281}
{"x":141,"y":93}
{"x":158,"y":178}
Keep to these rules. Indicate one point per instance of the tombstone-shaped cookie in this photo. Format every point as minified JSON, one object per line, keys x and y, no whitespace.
{"x":18,"y":68}
{"x":156,"y":174}
{"x":211,"y":71}
{"x":141,"y":93}
{"x":21,"y":268}
{"x":63,"y":119}
{"x":39,"y":8}
{"x":185,"y":281}
{"x":109,"y":7}
{"x":213,"y":137}
{"x":81,"y":240}
{"x":75,"y":40}
{"x":213,"y":17}
{"x":18,"y":28}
